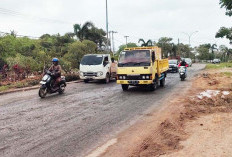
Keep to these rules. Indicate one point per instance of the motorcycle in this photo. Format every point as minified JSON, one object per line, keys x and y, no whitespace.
{"x":47,"y":83}
{"x":183,"y":72}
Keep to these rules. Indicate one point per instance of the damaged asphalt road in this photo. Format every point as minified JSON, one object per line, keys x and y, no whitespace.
{"x":75,"y":123}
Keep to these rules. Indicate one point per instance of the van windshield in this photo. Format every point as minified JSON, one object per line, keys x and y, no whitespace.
{"x":134,"y":58}
{"x":92,"y":60}
{"x":172,"y":61}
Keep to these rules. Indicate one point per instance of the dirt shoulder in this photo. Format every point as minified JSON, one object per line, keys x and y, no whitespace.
{"x":195,"y":122}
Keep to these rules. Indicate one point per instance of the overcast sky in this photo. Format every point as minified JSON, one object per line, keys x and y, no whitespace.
{"x":148,"y":19}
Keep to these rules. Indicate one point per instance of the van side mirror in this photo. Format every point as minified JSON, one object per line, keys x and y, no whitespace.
{"x":153,"y":56}
{"x":105,"y":63}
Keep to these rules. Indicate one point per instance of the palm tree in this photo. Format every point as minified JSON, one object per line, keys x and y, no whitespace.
{"x":81,"y":31}
{"x":144,"y":44}
{"x":213,"y":47}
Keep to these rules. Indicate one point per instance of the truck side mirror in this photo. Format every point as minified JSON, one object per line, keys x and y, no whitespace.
{"x":153,"y":56}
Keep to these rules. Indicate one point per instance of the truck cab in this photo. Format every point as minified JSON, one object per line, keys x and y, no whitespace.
{"x":95,"y":67}
{"x":142,"y":66}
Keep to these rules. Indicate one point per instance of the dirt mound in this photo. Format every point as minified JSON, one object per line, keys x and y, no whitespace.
{"x":167,"y":137}
{"x":209,"y":80}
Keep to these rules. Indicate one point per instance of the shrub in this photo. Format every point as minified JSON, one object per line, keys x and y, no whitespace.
{"x":72,"y":77}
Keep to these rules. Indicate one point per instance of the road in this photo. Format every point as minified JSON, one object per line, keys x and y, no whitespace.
{"x":75,"y":123}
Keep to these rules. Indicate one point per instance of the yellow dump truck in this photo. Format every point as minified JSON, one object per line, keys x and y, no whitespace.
{"x":142,"y":66}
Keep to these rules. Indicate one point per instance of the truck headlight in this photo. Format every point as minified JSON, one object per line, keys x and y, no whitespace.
{"x":120,"y":77}
{"x":147,"y":77}
{"x":143,"y":77}
{"x":124,"y":77}
{"x":81,"y":73}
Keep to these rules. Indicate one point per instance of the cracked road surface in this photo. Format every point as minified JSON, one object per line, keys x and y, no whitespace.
{"x":77,"y":122}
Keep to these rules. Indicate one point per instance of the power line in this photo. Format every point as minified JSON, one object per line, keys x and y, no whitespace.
{"x":34,"y":18}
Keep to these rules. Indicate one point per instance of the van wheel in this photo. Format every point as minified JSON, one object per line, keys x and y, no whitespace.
{"x":107,"y":79}
{"x":125,"y":87}
{"x":162,"y":82}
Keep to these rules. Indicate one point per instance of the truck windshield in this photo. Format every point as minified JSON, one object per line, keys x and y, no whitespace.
{"x":92,"y":60}
{"x":134,"y":58}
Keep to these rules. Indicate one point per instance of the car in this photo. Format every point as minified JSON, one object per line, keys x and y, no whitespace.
{"x":173,"y":65}
{"x":216,"y":61}
{"x":188,"y":61}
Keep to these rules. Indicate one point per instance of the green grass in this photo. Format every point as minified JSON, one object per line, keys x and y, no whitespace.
{"x":219,"y":66}
{"x":18,"y":85}
{"x":4,"y":88}
{"x":228,"y":74}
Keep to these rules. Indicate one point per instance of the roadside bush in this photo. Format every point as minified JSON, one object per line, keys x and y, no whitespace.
{"x":72,"y":77}
{"x":33,"y":82}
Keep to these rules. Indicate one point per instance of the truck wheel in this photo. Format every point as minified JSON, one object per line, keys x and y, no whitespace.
{"x":153,"y":87}
{"x":107,"y":79}
{"x":125,"y":87}
{"x":162,"y":82}
{"x":86,"y":81}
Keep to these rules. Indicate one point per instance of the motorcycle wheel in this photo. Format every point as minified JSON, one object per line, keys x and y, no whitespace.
{"x":62,"y":89}
{"x":182,"y":78}
{"x":42,"y":92}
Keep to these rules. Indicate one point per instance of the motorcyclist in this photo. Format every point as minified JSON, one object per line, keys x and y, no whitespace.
{"x":183,"y":63}
{"x":55,"y":69}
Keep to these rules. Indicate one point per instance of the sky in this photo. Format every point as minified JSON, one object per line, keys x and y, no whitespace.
{"x":147,"y":19}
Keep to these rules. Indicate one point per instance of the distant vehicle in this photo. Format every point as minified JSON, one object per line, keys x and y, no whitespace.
{"x":188,"y":61}
{"x":142,"y":66}
{"x":216,"y":61}
{"x":96,"y":67}
{"x":173,"y":65}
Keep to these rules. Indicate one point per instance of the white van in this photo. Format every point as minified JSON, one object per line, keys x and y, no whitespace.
{"x":95,"y":67}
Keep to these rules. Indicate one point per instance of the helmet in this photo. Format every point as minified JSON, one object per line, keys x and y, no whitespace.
{"x":55,"y":60}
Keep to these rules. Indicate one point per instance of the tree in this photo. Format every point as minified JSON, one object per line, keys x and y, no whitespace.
{"x":228,"y":5}
{"x":225,"y":53}
{"x":213,"y":47}
{"x":122,"y":47}
{"x":13,"y":33}
{"x":204,"y":53}
{"x":185,"y":51}
{"x":144,"y":44}
{"x":223,"y":31}
{"x":81,"y":31}
{"x":98,"y":36}
{"x":77,"y":50}
{"x":166,"y":46}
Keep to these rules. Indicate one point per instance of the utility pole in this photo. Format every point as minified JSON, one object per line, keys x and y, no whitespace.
{"x":107,"y":28}
{"x":126,"y":40}
{"x":113,"y":32}
{"x":110,"y":40}
{"x":178,"y":47}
